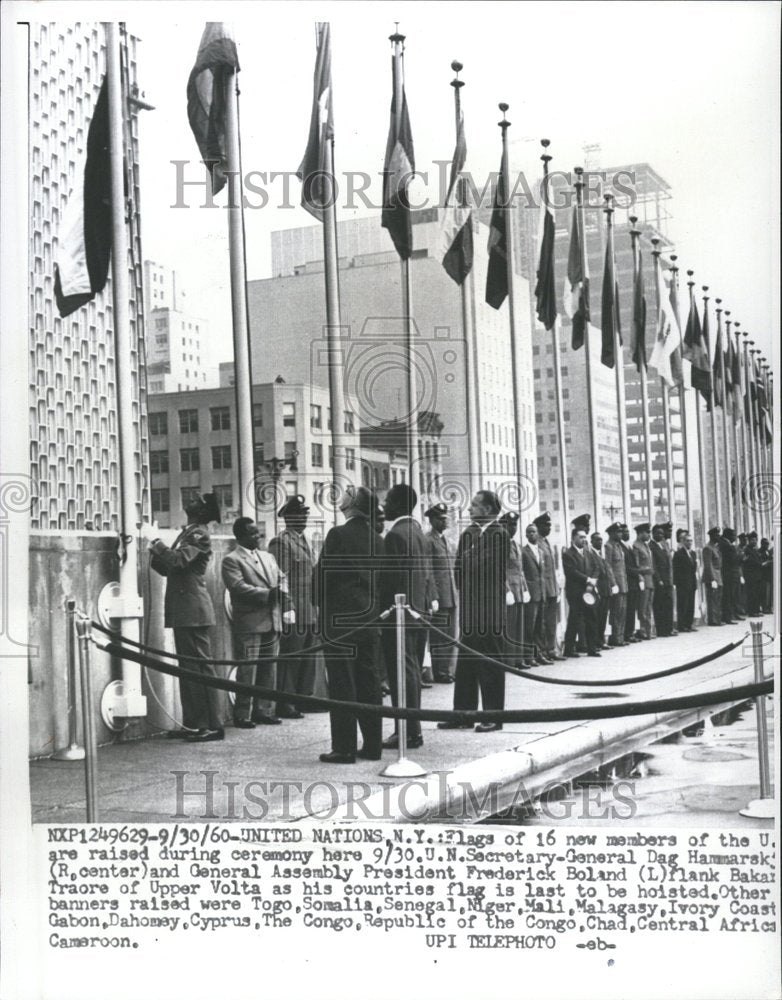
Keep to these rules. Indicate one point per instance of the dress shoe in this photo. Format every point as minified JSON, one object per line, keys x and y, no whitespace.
{"x":454,"y":725}
{"x":529,"y":664}
{"x":413,"y":742}
{"x":605,"y":646}
{"x":594,"y":653}
{"x":557,"y":656}
{"x":488,"y":727}
{"x":363,"y":754}
{"x":385,"y":690}
{"x":427,"y":677}
{"x":444,"y":679}
{"x":572,"y":656}
{"x":337,"y":758}
{"x":244,"y":724}
{"x":425,"y":685}
{"x":206,"y":736}
{"x":178,"y":734}
{"x":266,"y":720}
{"x":289,"y":713}
{"x":543,"y":661}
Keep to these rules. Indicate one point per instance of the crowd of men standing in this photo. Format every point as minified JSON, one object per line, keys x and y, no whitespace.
{"x":492,"y":603}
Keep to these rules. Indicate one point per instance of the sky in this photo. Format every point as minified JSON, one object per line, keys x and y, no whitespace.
{"x":692,"y":88}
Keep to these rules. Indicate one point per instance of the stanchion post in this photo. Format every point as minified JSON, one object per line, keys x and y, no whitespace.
{"x":762,"y":808}
{"x":402,"y":767}
{"x":88,"y":716}
{"x":73,"y":751}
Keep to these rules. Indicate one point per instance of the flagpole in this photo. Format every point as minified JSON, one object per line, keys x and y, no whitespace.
{"x":131,"y":703}
{"x":590,"y":392}
{"x":767,"y":450}
{"x":564,"y":492}
{"x":666,"y":398}
{"x":715,"y":458}
{"x":407,"y":298}
{"x":705,"y":512}
{"x":764,"y":463}
{"x":725,"y":442}
{"x":683,"y":418}
{"x":741,"y":514}
{"x":634,"y":235}
{"x":753,"y":462}
{"x":755,"y":404}
{"x":468,"y":324}
{"x":621,"y":405}
{"x":744,"y":409}
{"x":517,"y":421}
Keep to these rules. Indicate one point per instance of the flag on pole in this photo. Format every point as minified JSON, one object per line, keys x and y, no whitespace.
{"x":497,"y":272}
{"x":399,"y":168}
{"x":763,"y":410}
{"x":317,"y":189}
{"x":609,"y":318}
{"x":207,"y":90}
{"x":638,"y":327}
{"x":545,"y":289}
{"x":677,"y":368}
{"x":456,"y":229}
{"x":695,"y":351}
{"x":85,"y":235}
{"x":718,"y":389}
{"x":576,"y":296}
{"x":736,"y":378}
{"x":666,"y":352}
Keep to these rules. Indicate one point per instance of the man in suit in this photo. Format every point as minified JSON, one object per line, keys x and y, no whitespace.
{"x":466,"y":540}
{"x":667,"y":527}
{"x":444,"y":581}
{"x":606,"y":588}
{"x":532,"y":564}
{"x":643,"y":558}
{"x":190,"y":613}
{"x":662,"y":575}
{"x":685,"y":579}
{"x":294,"y":557}
{"x":407,"y":570}
{"x":483,"y":614}
{"x":731,"y":576}
{"x":753,"y":574}
{"x":766,"y":576}
{"x":549,"y":610}
{"x":712,"y":577}
{"x":616,"y":559}
{"x":635,"y":586}
{"x":517,"y":652}
{"x":581,"y":574}
{"x":259,"y":606}
{"x":347,"y":596}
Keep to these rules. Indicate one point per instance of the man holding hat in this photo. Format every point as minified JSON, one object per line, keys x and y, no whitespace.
{"x":616,"y":560}
{"x":581,"y":574}
{"x":444,"y":588}
{"x":190,"y":613}
{"x":712,"y":577}
{"x":294,"y":557}
{"x":549,"y":611}
{"x":662,"y":570}
{"x":643,"y":558}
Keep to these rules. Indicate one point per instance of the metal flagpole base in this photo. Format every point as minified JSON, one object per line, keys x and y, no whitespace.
{"x":72,"y":752}
{"x":758,"y":809}
{"x":403,"y":768}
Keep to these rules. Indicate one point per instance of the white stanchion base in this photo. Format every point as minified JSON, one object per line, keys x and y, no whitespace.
{"x":403,"y":768}
{"x":73,"y":752}
{"x":758,"y":809}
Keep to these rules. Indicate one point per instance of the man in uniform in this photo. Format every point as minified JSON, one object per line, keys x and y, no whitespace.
{"x":669,"y":547}
{"x":532,"y":564}
{"x":190,"y":613}
{"x":635,"y":586}
{"x":294,"y":557}
{"x":607,"y":588}
{"x":581,"y":573}
{"x":662,"y":574}
{"x":712,"y":577}
{"x":441,"y":556}
{"x":731,"y":576}
{"x":518,"y":654}
{"x":643,"y":558}
{"x":549,"y":610}
{"x":615,"y":557}
{"x":685,"y":578}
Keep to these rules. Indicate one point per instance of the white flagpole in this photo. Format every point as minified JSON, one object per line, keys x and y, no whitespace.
{"x":634,"y":235}
{"x":715,"y":456}
{"x":619,"y":371}
{"x":705,"y":506}
{"x":725,"y":441}
{"x":667,"y":434}
{"x":683,"y":417}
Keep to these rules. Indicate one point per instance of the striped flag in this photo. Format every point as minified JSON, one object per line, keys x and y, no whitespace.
{"x":207,"y":96}
{"x":497,"y":272}
{"x":609,"y":318}
{"x":317,"y":187}
{"x":545,"y":288}
{"x":456,"y":229}
{"x":84,"y":253}
{"x":398,"y":169}
{"x":666,"y":351}
{"x":696,"y":352}
{"x":576,"y":295}
{"x":638,"y":326}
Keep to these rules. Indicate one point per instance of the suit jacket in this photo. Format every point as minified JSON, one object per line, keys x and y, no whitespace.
{"x":643,"y":559}
{"x":754,"y":562}
{"x":549,"y":574}
{"x":443,"y":578}
{"x":615,"y":556}
{"x":631,"y":566}
{"x":533,"y":571}
{"x":346,"y":577}
{"x":249,"y":581}
{"x":294,"y":557}
{"x":484,"y":582}
{"x":187,"y":601}
{"x":515,"y":581}
{"x":685,"y":570}
{"x":662,"y":569}
{"x":712,"y":564}
{"x":407,"y":566}
{"x":731,"y":560}
{"x":578,"y":567}
{"x":605,"y":575}
{"x":466,"y":540}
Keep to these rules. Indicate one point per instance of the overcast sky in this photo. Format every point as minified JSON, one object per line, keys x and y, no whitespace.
{"x":692,"y":88}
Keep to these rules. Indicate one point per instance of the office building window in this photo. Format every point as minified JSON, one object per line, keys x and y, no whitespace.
{"x":221,"y":456}
{"x":316,"y":416}
{"x":158,"y":424}
{"x":189,"y":460}
{"x":225,"y":498}
{"x":188,"y":421}
{"x":257,"y":414}
{"x":350,"y":423}
{"x":291,"y":454}
{"x":258,"y":457}
{"x":187,"y":493}
{"x":288,"y":414}
{"x":161,"y":501}
{"x":158,"y":461}
{"x":317,"y":456}
{"x":350,"y":458}
{"x":221,"y":418}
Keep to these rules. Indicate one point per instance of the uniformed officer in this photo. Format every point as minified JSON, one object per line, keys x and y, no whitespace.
{"x":581,"y":576}
{"x":643,"y":556}
{"x":615,"y":556}
{"x":635,"y":586}
{"x":607,"y":588}
{"x":662,"y":573}
{"x":712,"y":577}
{"x":549,"y":611}
{"x":518,"y":597}
{"x":190,"y":613}
{"x":294,"y":557}
{"x":442,"y":557}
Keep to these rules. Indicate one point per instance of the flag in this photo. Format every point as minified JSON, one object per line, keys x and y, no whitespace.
{"x":666,"y":351}
{"x":764,"y":415}
{"x":609,"y":318}
{"x":207,"y":97}
{"x":456,"y":229}
{"x":576,"y":296}
{"x":718,"y":389}
{"x":85,"y":235}
{"x":497,"y":271}
{"x":695,"y":351}
{"x":545,"y":289}
{"x":638,"y":327}
{"x":677,"y":368}
{"x":398,"y":171}
{"x":736,"y":379}
{"x":317,"y":188}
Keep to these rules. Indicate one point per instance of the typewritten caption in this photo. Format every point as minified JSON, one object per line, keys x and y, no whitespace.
{"x":127,"y":887}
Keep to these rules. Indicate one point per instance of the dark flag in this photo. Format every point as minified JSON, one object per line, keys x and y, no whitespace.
{"x":576,"y":297}
{"x":207,"y":95}
{"x":545,"y":289}
{"x":718,"y":389}
{"x":85,"y":236}
{"x":638,"y":338}
{"x":398,"y":171}
{"x":696,"y":352}
{"x":497,"y":272}
{"x":609,"y":319}
{"x":317,"y":182}
{"x":735,"y":365}
{"x":456,"y":232}
{"x":764,"y":414}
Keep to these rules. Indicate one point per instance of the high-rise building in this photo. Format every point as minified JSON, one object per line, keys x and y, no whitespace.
{"x":74,"y":439}
{"x":174,"y":334}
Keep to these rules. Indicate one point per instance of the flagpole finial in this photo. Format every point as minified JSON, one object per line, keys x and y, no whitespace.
{"x":504,"y":123}
{"x":396,"y":37}
{"x":456,"y":66}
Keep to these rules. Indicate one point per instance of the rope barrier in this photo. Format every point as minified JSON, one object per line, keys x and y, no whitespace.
{"x":575,"y":713}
